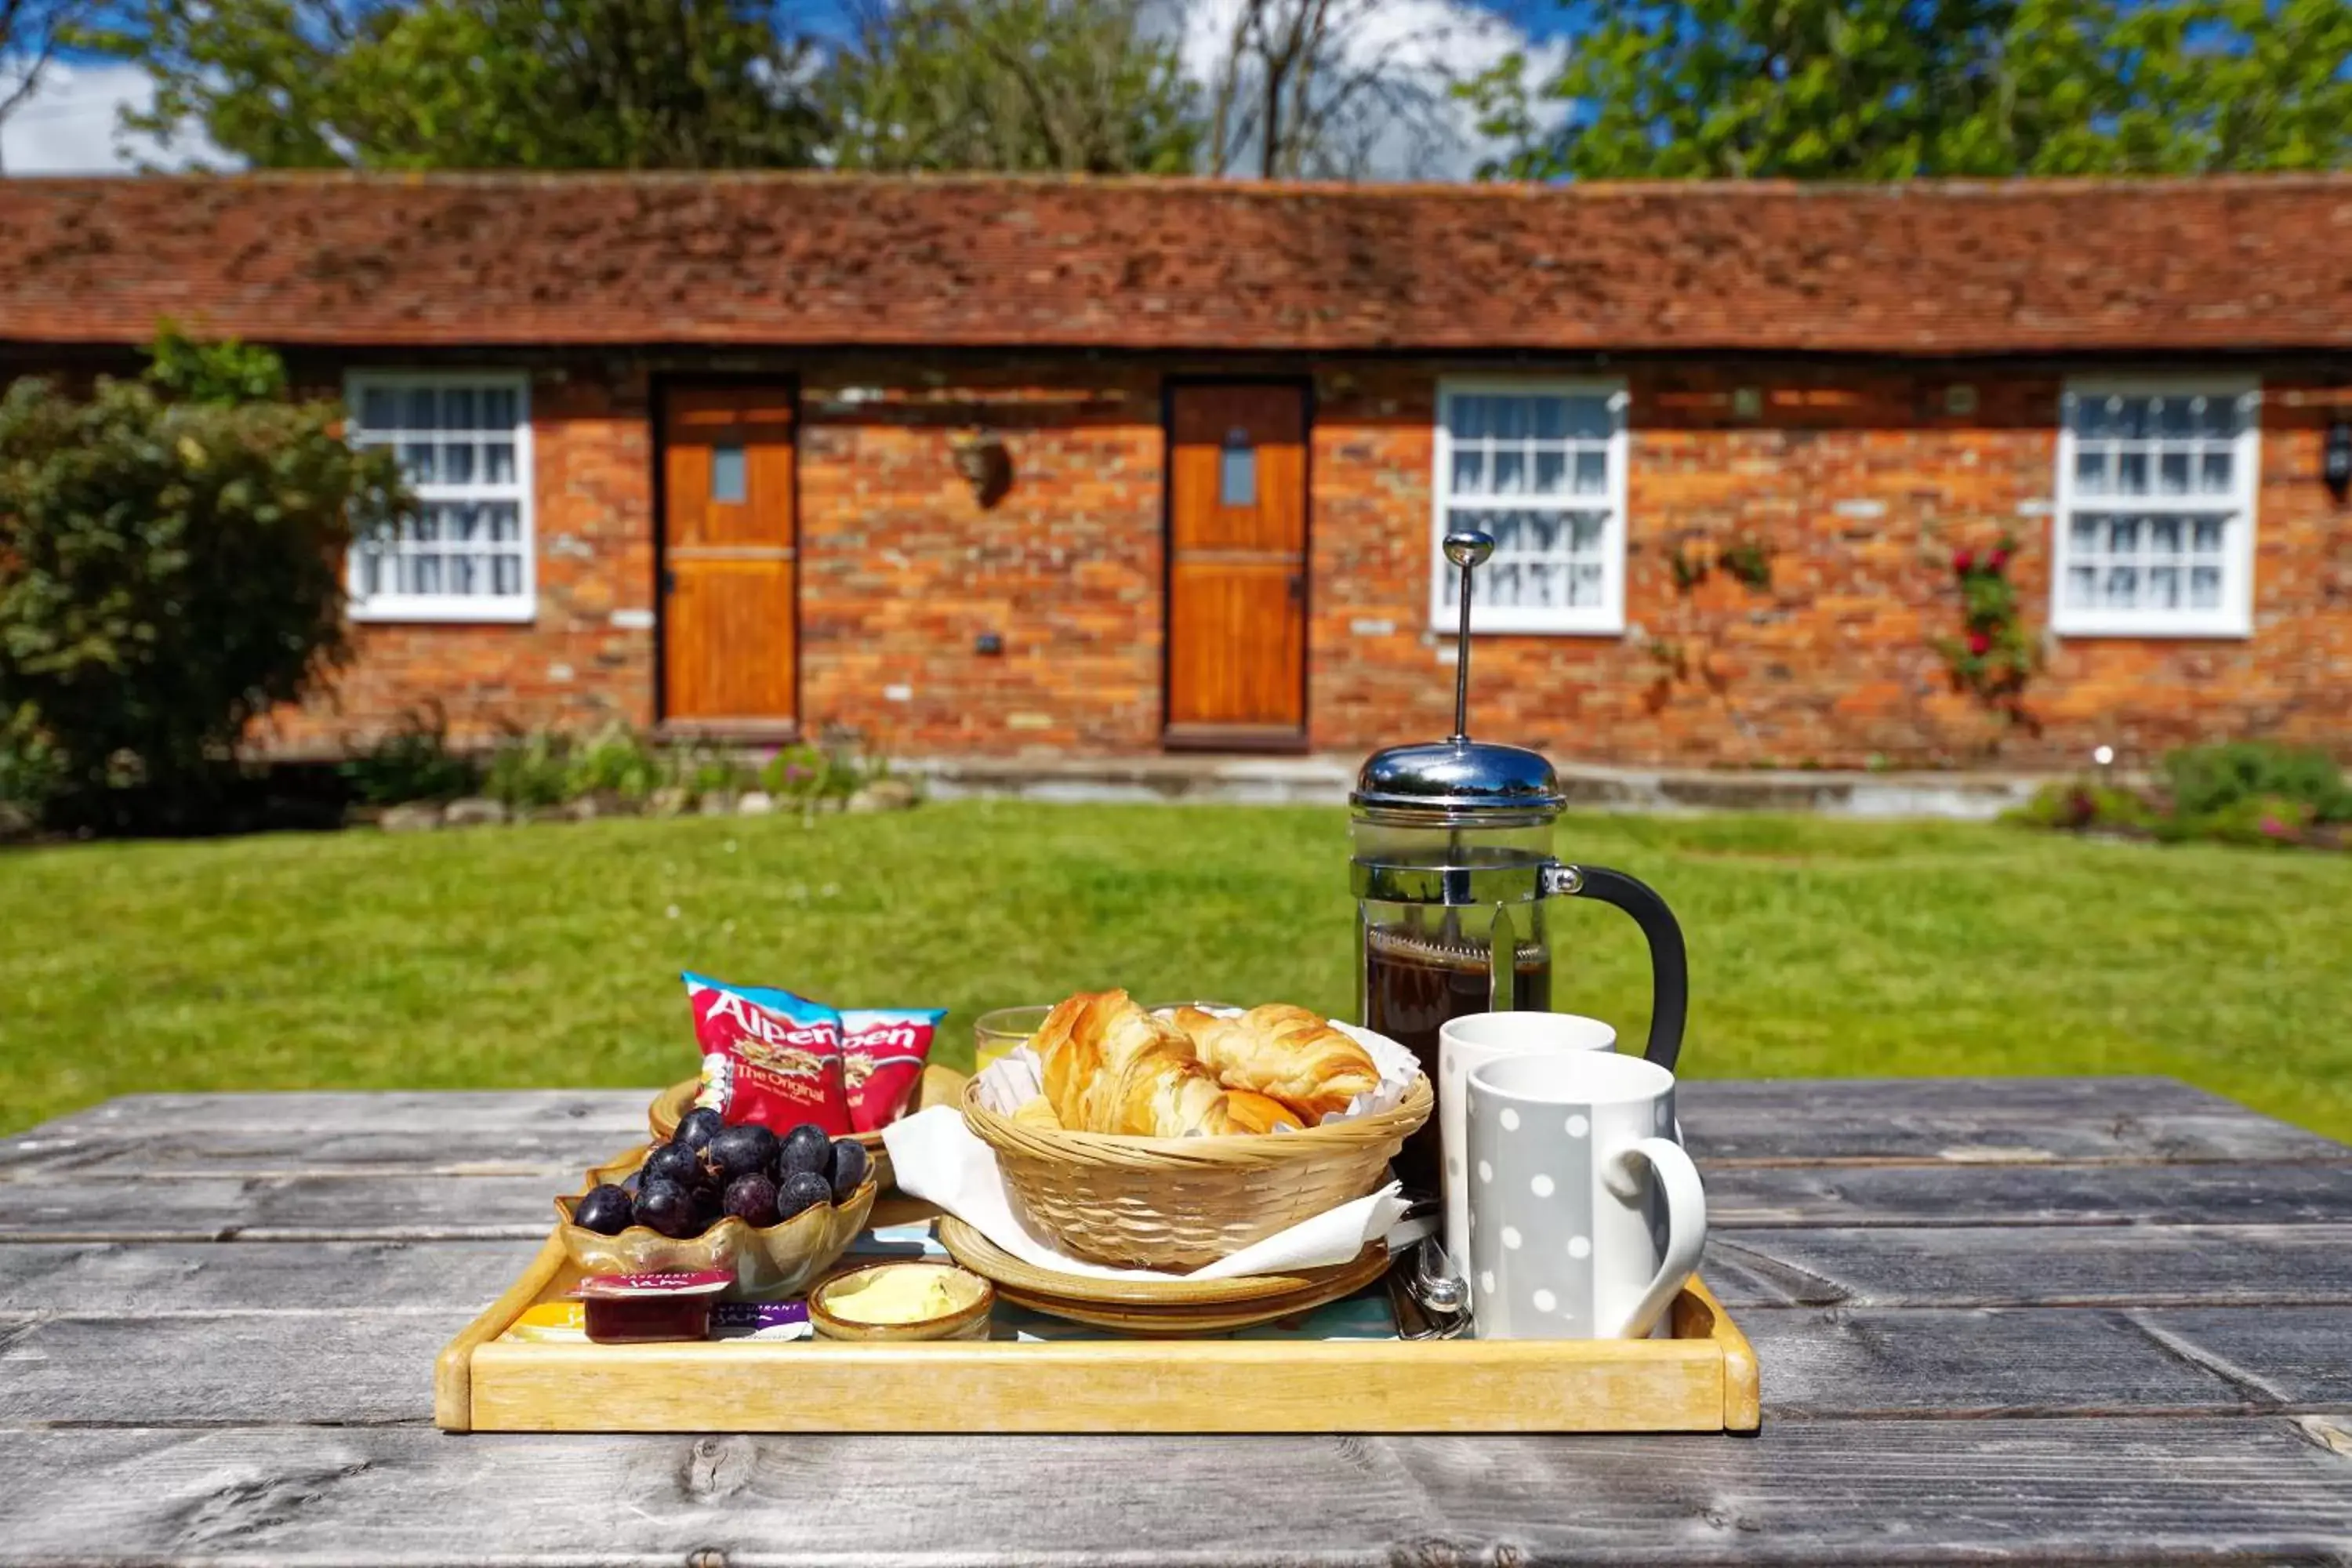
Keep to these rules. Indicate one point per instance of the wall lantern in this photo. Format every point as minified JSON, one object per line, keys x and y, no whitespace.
{"x":981,"y":458}
{"x":2336,"y":459}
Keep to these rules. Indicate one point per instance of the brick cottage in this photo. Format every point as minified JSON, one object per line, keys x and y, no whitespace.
{"x":991,"y":466}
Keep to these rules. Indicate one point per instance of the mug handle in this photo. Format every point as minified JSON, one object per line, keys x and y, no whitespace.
{"x":1685,"y":1228}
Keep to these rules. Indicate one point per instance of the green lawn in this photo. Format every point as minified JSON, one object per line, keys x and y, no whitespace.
{"x":549,"y":955}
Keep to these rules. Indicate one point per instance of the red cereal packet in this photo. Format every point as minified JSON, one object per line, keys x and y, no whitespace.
{"x":882,"y":1050}
{"x":769,"y":1057}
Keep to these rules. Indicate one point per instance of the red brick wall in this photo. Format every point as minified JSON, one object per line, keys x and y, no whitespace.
{"x":1856,"y":479}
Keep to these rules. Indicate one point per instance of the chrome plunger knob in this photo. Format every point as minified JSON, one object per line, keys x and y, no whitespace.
{"x":1468,"y":549}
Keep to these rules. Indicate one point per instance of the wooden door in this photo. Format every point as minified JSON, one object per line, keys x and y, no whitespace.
{"x":1237,"y":564}
{"x":729,"y":577}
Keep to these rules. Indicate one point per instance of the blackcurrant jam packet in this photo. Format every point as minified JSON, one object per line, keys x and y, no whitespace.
{"x":769,"y":1057}
{"x":882,"y":1050}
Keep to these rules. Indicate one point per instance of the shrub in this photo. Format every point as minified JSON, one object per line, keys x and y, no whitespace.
{"x":532,"y":771}
{"x":618,"y":761}
{"x":810,"y":776}
{"x":2080,"y":805}
{"x":169,"y":571}
{"x":2274,"y":820}
{"x":412,"y":762}
{"x":2212,"y":781}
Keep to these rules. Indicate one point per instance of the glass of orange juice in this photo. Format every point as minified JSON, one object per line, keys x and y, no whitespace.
{"x":997,"y":1034}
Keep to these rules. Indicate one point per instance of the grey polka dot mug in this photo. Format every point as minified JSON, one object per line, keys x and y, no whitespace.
{"x":1586,"y":1217}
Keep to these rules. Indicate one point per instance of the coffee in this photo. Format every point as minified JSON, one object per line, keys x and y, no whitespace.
{"x":1413,"y":985}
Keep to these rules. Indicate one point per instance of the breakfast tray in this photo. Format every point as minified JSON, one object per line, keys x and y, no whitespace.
{"x":1702,"y":1379}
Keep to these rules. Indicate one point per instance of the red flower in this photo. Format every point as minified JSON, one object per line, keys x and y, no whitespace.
{"x":1997,"y":560}
{"x":1978,"y":642}
{"x":1963,"y":563}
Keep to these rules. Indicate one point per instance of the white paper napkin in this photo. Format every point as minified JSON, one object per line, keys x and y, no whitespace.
{"x":934,"y":1156}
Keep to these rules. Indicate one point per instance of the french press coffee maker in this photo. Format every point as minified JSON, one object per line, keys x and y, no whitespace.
{"x":1452,"y":868}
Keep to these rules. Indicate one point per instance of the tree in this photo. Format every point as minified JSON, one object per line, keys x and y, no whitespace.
{"x":168,"y":570}
{"x":459,"y":84}
{"x":1054,"y":86}
{"x":1891,"y":88}
{"x":31,"y":34}
{"x":1317,"y":87}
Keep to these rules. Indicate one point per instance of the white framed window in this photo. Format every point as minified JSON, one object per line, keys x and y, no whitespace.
{"x":463,"y":439}
{"x":2154,"y":524}
{"x":1540,"y":465}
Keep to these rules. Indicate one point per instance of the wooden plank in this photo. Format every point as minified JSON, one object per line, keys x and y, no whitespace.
{"x":1740,"y":1196}
{"x":2297,"y":1355}
{"x":284,"y":1208}
{"x":110,"y":1280}
{"x":2004,"y":1266}
{"x":1961,"y":1362}
{"x":330,"y":1368}
{"x":1981,"y":1120}
{"x":2238,"y":1490}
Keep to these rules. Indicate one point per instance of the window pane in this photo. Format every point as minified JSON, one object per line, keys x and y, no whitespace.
{"x":1588,"y":418}
{"x":1469,"y":470}
{"x":2172,"y":474}
{"x":464,"y":574}
{"x":2213,"y":474}
{"x":2082,"y":534}
{"x":426,"y":529}
{"x":1592,"y":472}
{"x":2164,"y":535}
{"x":2219,"y":416}
{"x":2122,"y":535}
{"x":730,"y":483}
{"x":2207,"y":538}
{"x":1551,"y":473}
{"x":378,"y":408}
{"x":1511,"y":420}
{"x":457,"y":463}
{"x":498,"y":462}
{"x":464,"y":522}
{"x":506,"y":520}
{"x":508,"y":575}
{"x":2205,"y":587}
{"x":1552,"y":418}
{"x":2091,"y":470}
{"x":2131,"y":473}
{"x":457,"y":409}
{"x":1469,"y":417}
{"x":1586,"y":584}
{"x":1587,"y":532}
{"x":2163,"y":587}
{"x":498,"y":411}
{"x":2123,"y":587}
{"x":2082,"y":586}
{"x":419,"y":414}
{"x":416,"y":460}
{"x":371,"y":572}
{"x":1510,"y":473}
{"x":2172,"y":417}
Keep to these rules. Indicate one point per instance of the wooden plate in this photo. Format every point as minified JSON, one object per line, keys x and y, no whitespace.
{"x":940,"y":1085}
{"x":1190,"y":1321}
{"x":1013,"y":1276}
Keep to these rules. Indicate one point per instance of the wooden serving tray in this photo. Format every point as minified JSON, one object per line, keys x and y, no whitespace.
{"x":1703,"y":1379}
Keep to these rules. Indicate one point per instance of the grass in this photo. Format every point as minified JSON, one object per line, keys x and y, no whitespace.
{"x":549,"y":955}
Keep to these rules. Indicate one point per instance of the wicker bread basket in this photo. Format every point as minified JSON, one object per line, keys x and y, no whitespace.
{"x":1178,"y":1203}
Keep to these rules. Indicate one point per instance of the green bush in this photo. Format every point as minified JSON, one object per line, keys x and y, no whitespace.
{"x":531,"y":772}
{"x":169,"y":572}
{"x":618,"y":761}
{"x":2212,"y":781}
{"x":2077,"y":805}
{"x":412,"y":762}
{"x":809,"y":776}
{"x":2273,"y":820}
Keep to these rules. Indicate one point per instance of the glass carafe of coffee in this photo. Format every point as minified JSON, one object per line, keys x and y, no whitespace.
{"x":1452,"y":868}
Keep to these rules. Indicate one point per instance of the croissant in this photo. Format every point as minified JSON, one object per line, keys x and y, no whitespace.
{"x":1286,"y":1052}
{"x":1260,"y":1112}
{"x":1110,"y":1067}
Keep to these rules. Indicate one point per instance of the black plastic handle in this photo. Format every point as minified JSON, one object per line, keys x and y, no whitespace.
{"x":1669,"y":965}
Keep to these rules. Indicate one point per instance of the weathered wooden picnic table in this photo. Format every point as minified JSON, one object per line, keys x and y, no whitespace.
{"x":2050,"y":1318}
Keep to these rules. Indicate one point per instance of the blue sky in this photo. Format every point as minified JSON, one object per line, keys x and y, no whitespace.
{"x":68,"y":127}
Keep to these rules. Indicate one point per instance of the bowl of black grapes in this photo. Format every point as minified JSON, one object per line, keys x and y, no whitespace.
{"x":776,"y":1211}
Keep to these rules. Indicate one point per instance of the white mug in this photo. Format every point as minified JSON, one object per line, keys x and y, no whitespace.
{"x":1472,"y":1041}
{"x":1586,"y":1217}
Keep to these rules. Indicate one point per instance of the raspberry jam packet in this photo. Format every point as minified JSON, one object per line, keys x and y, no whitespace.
{"x":882,"y":1050}
{"x":769,"y":1057}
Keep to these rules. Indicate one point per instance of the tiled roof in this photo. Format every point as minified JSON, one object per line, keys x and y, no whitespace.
{"x":1935,"y":269}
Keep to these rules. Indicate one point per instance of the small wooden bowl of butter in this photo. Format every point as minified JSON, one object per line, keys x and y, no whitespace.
{"x":903,"y":1300}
